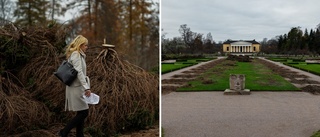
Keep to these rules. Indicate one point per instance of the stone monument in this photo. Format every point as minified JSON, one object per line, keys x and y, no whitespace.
{"x":237,"y":85}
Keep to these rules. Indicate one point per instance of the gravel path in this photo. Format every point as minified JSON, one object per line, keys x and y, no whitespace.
{"x":261,"y":114}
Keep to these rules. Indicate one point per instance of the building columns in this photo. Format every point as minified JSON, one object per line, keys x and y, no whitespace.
{"x":241,"y":49}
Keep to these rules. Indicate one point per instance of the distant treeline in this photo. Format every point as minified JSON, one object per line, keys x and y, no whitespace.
{"x":295,"y":42}
{"x":190,"y":43}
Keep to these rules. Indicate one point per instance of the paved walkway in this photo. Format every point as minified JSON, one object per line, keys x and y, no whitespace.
{"x":261,"y":114}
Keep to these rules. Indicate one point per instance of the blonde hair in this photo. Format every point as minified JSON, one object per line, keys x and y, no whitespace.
{"x":75,"y":45}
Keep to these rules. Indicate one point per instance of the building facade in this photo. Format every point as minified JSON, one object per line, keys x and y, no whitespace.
{"x":246,"y":47}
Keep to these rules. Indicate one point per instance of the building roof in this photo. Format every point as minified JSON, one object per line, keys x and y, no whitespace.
{"x":232,"y":41}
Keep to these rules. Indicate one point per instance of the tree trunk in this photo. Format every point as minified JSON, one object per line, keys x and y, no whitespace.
{"x":95,"y":32}
{"x":29,"y":14}
{"x":52,"y":14}
{"x":89,"y":15}
{"x":130,"y":20}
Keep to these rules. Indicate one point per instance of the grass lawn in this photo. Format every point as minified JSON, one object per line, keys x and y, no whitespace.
{"x":196,"y":60}
{"x":286,"y":60}
{"x":300,"y":64}
{"x":316,"y":134}
{"x":278,"y":59}
{"x":313,"y":68}
{"x":165,"y":68}
{"x":168,"y":67}
{"x":258,"y":78}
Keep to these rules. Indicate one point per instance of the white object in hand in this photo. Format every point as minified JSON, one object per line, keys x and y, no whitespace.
{"x":92,"y":99}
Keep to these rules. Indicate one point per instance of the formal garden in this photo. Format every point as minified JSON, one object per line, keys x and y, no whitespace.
{"x":296,"y":49}
{"x":260,"y":75}
{"x":258,"y":78}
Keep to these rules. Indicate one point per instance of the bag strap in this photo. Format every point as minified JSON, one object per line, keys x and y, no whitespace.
{"x":68,"y":60}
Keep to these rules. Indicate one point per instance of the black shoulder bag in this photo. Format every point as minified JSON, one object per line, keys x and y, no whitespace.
{"x":66,"y":73}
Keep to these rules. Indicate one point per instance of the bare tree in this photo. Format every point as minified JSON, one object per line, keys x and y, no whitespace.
{"x":186,"y":35}
{"x":192,"y":40}
{"x":57,"y":9}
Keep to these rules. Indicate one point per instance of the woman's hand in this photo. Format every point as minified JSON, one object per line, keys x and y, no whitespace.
{"x":87,"y":92}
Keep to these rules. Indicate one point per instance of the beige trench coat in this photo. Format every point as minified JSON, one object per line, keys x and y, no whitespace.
{"x":74,"y":92}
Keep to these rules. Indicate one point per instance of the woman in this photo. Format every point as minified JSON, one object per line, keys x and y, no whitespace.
{"x":74,"y":93}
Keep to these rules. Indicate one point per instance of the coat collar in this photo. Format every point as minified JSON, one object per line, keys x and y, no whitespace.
{"x":82,"y":53}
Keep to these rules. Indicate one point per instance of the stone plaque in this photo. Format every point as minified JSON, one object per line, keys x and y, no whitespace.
{"x":237,"y":81}
{"x":237,"y":85}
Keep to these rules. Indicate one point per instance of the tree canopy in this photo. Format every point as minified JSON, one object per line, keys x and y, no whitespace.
{"x":131,"y":25}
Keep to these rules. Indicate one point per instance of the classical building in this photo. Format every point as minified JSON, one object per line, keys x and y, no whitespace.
{"x":246,"y":47}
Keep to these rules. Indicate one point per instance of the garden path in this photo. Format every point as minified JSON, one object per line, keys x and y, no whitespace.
{"x":261,"y":114}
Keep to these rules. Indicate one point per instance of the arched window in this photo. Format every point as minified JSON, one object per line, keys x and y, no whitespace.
{"x":227,"y":48}
{"x":254,"y":48}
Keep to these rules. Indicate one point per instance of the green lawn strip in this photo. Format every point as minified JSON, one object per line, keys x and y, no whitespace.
{"x":278,"y":59}
{"x":196,"y":60}
{"x":168,"y":67}
{"x":165,"y":68}
{"x":204,"y":59}
{"x":258,"y":78}
{"x":286,"y":60}
{"x":313,"y":68}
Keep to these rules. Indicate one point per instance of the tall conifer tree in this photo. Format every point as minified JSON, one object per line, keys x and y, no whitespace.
{"x":31,"y":12}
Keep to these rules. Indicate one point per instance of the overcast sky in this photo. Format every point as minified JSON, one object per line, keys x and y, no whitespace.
{"x":239,"y":19}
